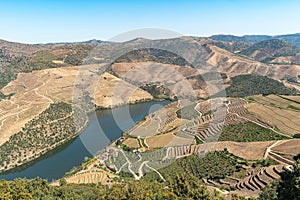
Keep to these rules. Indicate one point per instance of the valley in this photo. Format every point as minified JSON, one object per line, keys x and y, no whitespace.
{"x":236,"y":108}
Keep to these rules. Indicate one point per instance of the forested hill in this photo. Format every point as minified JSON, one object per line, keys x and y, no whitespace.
{"x":250,"y":84}
{"x":290,"y":38}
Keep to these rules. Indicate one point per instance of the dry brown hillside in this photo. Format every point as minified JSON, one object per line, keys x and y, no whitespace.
{"x":33,"y":92}
{"x":233,"y":65}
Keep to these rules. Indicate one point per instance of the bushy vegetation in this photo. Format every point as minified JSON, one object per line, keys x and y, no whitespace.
{"x":42,"y":60}
{"x":183,"y":183}
{"x":180,"y":188}
{"x":250,"y":84}
{"x":155,"y":55}
{"x":11,"y":65}
{"x":246,"y":38}
{"x":291,"y":38}
{"x":232,"y":47}
{"x":52,"y":127}
{"x":248,"y":132}
{"x":215,"y":165}
{"x":288,"y":187}
{"x":40,"y":189}
{"x":6,"y":77}
{"x":76,"y":54}
{"x":274,"y":47}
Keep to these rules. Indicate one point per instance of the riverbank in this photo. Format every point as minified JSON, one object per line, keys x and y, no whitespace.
{"x":74,"y":153}
{"x":39,"y":153}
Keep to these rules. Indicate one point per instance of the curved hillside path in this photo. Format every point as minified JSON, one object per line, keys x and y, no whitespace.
{"x":245,"y":118}
{"x":270,"y":147}
{"x":38,"y":88}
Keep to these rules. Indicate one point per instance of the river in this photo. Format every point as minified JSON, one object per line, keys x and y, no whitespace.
{"x":57,"y":162}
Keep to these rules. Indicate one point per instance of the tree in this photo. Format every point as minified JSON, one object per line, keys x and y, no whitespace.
{"x":270,"y":192}
{"x":289,"y":187}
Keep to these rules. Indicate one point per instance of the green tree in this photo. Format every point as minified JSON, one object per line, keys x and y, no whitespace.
{"x":289,"y":187}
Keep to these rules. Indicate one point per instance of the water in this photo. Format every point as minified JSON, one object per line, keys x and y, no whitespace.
{"x":113,"y":123}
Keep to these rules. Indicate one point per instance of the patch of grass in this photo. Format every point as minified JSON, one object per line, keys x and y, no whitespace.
{"x":293,"y":107}
{"x":250,"y":99}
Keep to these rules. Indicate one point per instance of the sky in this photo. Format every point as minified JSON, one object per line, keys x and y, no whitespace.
{"x":45,"y":21}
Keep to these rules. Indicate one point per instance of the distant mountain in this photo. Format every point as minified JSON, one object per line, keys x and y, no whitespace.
{"x":245,"y":38}
{"x":19,"y":49}
{"x":154,"y":55}
{"x":92,"y":42}
{"x":231,"y":46}
{"x":291,"y":38}
{"x":231,"y":54}
{"x":268,"y":50}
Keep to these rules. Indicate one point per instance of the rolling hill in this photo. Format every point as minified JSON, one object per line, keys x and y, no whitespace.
{"x":37,"y":84}
{"x":268,"y":50}
{"x":291,"y":38}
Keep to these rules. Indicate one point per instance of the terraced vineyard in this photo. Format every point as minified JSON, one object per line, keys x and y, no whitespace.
{"x":258,"y":179}
{"x":249,"y":132}
{"x":232,"y":118}
{"x":277,"y":111}
{"x":211,"y":166}
{"x":94,"y":175}
{"x":240,"y":143}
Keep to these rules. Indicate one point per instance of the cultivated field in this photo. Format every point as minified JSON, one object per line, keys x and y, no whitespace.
{"x":289,"y":147}
{"x":278,"y":101}
{"x":132,"y":143}
{"x":285,"y":120}
{"x":246,"y":150}
{"x":94,"y":175}
{"x":168,"y":139}
{"x":295,"y":98}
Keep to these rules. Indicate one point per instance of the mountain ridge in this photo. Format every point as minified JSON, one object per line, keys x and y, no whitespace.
{"x":291,"y":38}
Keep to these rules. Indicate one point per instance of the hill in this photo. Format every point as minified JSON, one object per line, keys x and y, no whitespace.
{"x":37,"y":88}
{"x":231,"y":46}
{"x":291,"y":38}
{"x":267,"y":50}
{"x":154,"y":55}
{"x":250,"y":84}
{"x":245,"y":38}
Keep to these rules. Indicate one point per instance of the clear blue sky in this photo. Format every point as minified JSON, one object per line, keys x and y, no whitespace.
{"x":73,"y":20}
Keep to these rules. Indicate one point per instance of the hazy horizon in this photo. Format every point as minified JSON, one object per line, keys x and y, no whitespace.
{"x":69,"y":21}
{"x":99,"y":39}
